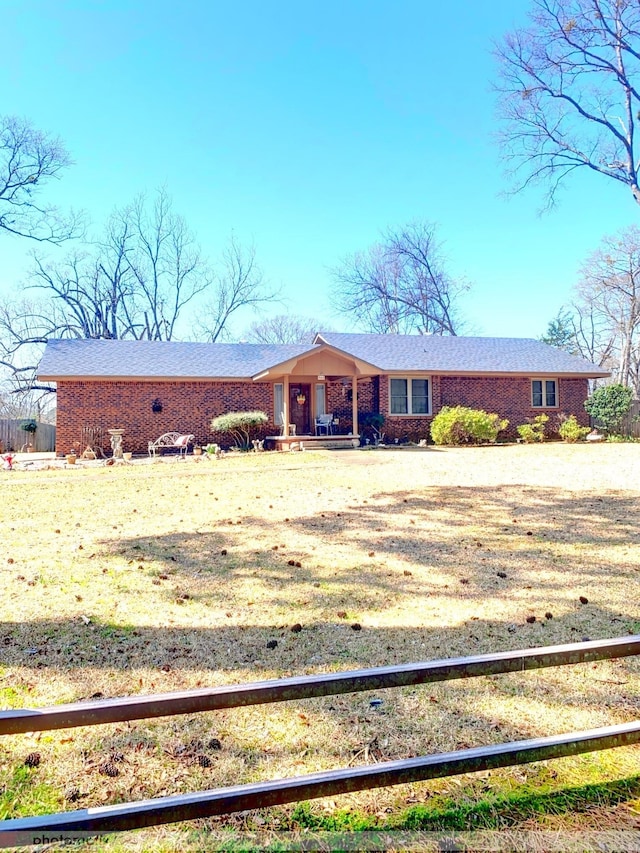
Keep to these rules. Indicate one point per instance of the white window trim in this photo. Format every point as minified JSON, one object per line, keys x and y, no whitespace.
{"x":544,"y":379}
{"x":408,"y":377}
{"x":277,"y":410}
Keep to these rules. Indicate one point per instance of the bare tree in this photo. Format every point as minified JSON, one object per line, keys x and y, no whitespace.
{"x":283,"y":329}
{"x":25,"y":326}
{"x":30,"y":159}
{"x":136,"y":282}
{"x":239,"y":283}
{"x":594,"y":338}
{"x":401,"y":285}
{"x":569,"y":93}
{"x":610,"y":287}
{"x":167,"y":266}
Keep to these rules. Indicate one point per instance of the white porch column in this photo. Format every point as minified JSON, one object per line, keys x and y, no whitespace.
{"x":354,"y":403}
{"x":285,"y":406}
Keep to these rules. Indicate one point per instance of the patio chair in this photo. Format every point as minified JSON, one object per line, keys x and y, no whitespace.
{"x":324,"y":422}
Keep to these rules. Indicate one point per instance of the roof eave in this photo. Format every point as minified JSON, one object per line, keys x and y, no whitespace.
{"x":552,"y":374}
{"x":119,"y":378}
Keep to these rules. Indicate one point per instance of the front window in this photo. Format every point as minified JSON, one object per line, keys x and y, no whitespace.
{"x":544,"y":393}
{"x":408,"y":396}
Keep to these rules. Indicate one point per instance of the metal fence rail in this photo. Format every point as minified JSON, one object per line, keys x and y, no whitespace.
{"x":309,"y":686}
{"x":329,"y":783}
{"x":279,"y":791}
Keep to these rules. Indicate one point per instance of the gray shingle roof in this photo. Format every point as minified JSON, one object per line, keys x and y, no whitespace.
{"x":435,"y":353}
{"x":131,"y":359}
{"x":390,"y":353}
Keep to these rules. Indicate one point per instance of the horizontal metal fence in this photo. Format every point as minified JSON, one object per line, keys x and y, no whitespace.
{"x":329,"y":783}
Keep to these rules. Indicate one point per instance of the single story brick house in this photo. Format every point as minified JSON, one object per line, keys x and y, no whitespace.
{"x":151,"y":387}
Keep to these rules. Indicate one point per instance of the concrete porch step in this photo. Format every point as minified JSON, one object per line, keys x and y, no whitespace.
{"x":312,"y":442}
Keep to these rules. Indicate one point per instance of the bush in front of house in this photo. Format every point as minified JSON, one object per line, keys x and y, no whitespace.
{"x":240,"y":425}
{"x":571,"y":431}
{"x":608,"y":406}
{"x":534,"y":430}
{"x":370,"y":425}
{"x":460,"y":425}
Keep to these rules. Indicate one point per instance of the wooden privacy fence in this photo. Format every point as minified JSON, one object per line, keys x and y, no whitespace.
{"x":13,"y":437}
{"x":219,"y":801}
{"x":631,"y":422}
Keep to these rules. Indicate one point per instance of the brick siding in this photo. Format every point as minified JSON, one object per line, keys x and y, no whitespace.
{"x":190,"y":406}
{"x":186,"y":407}
{"x":510,"y":397}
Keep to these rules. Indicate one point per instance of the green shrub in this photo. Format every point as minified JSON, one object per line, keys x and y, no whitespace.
{"x":460,"y":425}
{"x":608,"y":406}
{"x":370,"y":424}
{"x":534,"y":430}
{"x":240,"y":425}
{"x":571,"y":431}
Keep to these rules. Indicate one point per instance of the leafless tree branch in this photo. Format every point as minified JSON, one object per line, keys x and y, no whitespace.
{"x":30,"y":159}
{"x":240,"y":283}
{"x":569,"y":93}
{"x":401,"y":285}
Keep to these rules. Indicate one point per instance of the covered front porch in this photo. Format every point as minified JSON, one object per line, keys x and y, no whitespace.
{"x":316,"y":398}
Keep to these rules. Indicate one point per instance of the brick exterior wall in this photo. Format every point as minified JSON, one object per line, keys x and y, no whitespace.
{"x":338,"y":401}
{"x":510,"y":397}
{"x":190,"y":406}
{"x":186,"y":407}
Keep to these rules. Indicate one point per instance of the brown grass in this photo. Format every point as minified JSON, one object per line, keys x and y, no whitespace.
{"x":160,"y":577}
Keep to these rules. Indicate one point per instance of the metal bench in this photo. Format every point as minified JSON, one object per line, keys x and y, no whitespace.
{"x":172,"y":440}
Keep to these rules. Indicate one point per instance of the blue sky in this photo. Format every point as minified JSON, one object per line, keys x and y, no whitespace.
{"x":305,"y":128}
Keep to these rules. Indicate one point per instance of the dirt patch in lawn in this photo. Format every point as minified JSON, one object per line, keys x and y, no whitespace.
{"x":160,"y":577}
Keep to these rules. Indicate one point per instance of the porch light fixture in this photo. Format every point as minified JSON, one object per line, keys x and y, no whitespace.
{"x":156,"y":406}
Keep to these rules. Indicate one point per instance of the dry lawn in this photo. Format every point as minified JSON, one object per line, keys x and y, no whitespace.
{"x":170,"y":576}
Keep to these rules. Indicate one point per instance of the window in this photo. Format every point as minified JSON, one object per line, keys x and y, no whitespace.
{"x":278,"y":402}
{"x":544,"y":393}
{"x":409,"y":396}
{"x":320,"y":400}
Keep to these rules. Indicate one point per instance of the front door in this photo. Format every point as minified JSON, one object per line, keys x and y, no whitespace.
{"x":300,"y":408}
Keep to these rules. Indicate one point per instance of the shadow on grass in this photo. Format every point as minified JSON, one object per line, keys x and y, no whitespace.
{"x":459,"y":544}
{"x":175,"y":656}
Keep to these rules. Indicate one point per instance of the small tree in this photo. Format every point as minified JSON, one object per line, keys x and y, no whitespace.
{"x":239,"y":425}
{"x":608,"y":406}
